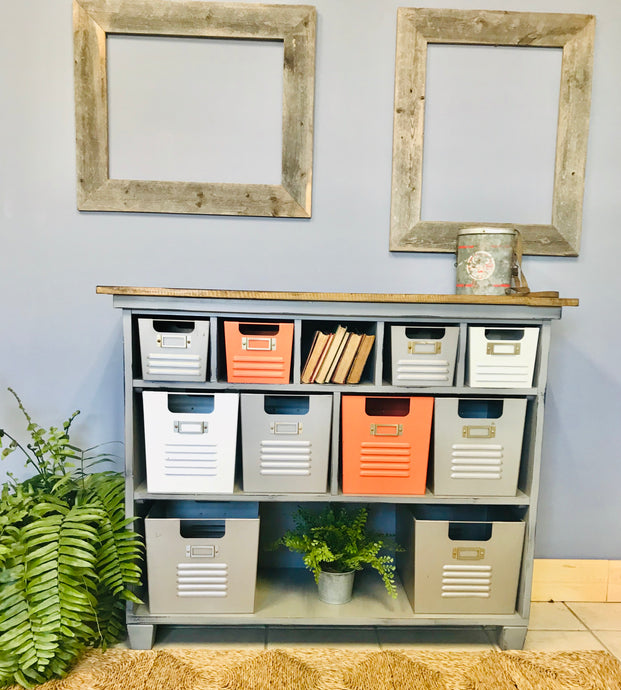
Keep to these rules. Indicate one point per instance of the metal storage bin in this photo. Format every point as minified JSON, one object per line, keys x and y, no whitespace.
{"x":423,"y":355}
{"x":477,"y":446}
{"x":173,"y":350}
{"x":258,"y":352}
{"x":501,"y":357}
{"x":460,"y":559}
{"x":385,"y":444}
{"x":202,"y":557}
{"x":285,"y":442}
{"x":190,"y":441}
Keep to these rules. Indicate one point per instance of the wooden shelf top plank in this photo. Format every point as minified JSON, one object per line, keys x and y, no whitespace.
{"x":530,"y":300}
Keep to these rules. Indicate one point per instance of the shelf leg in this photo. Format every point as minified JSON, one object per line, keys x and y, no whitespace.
{"x":512,"y":637}
{"x":141,"y":636}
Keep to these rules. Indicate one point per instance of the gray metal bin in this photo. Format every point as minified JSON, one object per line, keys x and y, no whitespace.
{"x":285,"y":442}
{"x":423,"y":355}
{"x":477,"y":446}
{"x":460,"y":559}
{"x":173,"y":349}
{"x":202,"y":557}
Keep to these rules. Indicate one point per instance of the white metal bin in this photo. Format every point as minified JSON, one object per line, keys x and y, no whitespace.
{"x":173,"y":350}
{"x":477,"y":446}
{"x":460,"y":559}
{"x":202,"y":557}
{"x":190,"y":441}
{"x":423,"y":355}
{"x":502,"y":357}
{"x":285,"y":442}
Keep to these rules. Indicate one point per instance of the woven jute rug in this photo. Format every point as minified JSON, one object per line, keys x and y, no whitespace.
{"x":339,"y":669}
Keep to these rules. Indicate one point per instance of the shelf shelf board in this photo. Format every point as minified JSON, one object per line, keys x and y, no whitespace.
{"x":288,"y":596}
{"x":141,"y":494}
{"x":351,"y":389}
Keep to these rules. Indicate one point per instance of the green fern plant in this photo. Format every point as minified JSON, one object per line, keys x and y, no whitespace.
{"x":336,"y":539}
{"x":67,"y":558}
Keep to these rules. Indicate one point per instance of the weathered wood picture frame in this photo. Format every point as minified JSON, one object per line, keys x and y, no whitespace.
{"x":416,"y":28}
{"x":294,"y":25}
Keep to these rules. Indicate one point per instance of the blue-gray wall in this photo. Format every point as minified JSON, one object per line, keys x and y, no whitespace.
{"x":60,"y":343}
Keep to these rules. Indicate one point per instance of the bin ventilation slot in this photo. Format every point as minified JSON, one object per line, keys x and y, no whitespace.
{"x":424,"y":333}
{"x":387,"y":407}
{"x":191,"y":404}
{"x":504,"y":334}
{"x":480,"y":409}
{"x":507,"y":373}
{"x":258,"y":366}
{"x":201,"y":529}
{"x":385,"y":459}
{"x":476,"y":461}
{"x":286,"y":404}
{"x":191,"y":460}
{"x":285,"y":458}
{"x":173,"y":326}
{"x":202,"y":579}
{"x":423,"y":370}
{"x":173,"y":364}
{"x":470,"y":531}
{"x":466,"y":581}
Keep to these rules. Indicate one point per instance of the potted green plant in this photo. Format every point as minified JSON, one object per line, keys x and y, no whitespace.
{"x":336,"y":542}
{"x":67,"y":558}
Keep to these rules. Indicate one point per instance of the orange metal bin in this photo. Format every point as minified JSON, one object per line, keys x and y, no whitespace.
{"x":258,"y":352}
{"x":385,"y":444}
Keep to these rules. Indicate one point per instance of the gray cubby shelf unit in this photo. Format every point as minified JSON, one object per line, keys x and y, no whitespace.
{"x":285,"y":596}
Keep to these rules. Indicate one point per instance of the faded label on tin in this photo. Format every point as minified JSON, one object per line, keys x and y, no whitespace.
{"x":480,"y":265}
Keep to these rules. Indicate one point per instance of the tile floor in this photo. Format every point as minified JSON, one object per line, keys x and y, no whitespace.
{"x":553,"y":627}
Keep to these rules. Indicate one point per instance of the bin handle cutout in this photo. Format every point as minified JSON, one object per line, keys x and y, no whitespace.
{"x":480,"y":409}
{"x":386,"y":429}
{"x":504,"y":333}
{"x":387,"y":407}
{"x":190,"y":404}
{"x":481,"y":431}
{"x":252,"y":329}
{"x":161,"y":326}
{"x":286,"y":404}
{"x":424,"y":333}
{"x":202,"y":529}
{"x":470,"y":531}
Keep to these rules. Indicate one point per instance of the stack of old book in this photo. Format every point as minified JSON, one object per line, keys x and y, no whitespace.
{"x":337,"y":357}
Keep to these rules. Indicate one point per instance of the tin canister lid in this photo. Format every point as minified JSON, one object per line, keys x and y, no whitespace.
{"x":486,"y":231}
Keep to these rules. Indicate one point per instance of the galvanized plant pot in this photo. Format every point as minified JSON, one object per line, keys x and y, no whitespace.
{"x":485,"y":261}
{"x":335,"y":588}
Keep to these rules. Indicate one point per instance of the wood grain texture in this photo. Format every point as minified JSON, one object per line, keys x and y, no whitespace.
{"x":569,"y":580}
{"x":210,"y":19}
{"x":614,"y":581}
{"x":91,"y":104}
{"x":295,"y":25}
{"x":416,"y":28}
{"x":529,"y":301}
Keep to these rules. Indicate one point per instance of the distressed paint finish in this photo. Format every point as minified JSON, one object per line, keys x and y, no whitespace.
{"x":295,"y":25}
{"x":416,"y":28}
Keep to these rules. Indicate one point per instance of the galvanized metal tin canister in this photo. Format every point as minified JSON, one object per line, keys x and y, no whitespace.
{"x":485,"y":260}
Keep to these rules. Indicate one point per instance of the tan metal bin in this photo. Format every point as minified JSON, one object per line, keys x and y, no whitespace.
{"x":202,"y":557}
{"x":460,"y":559}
